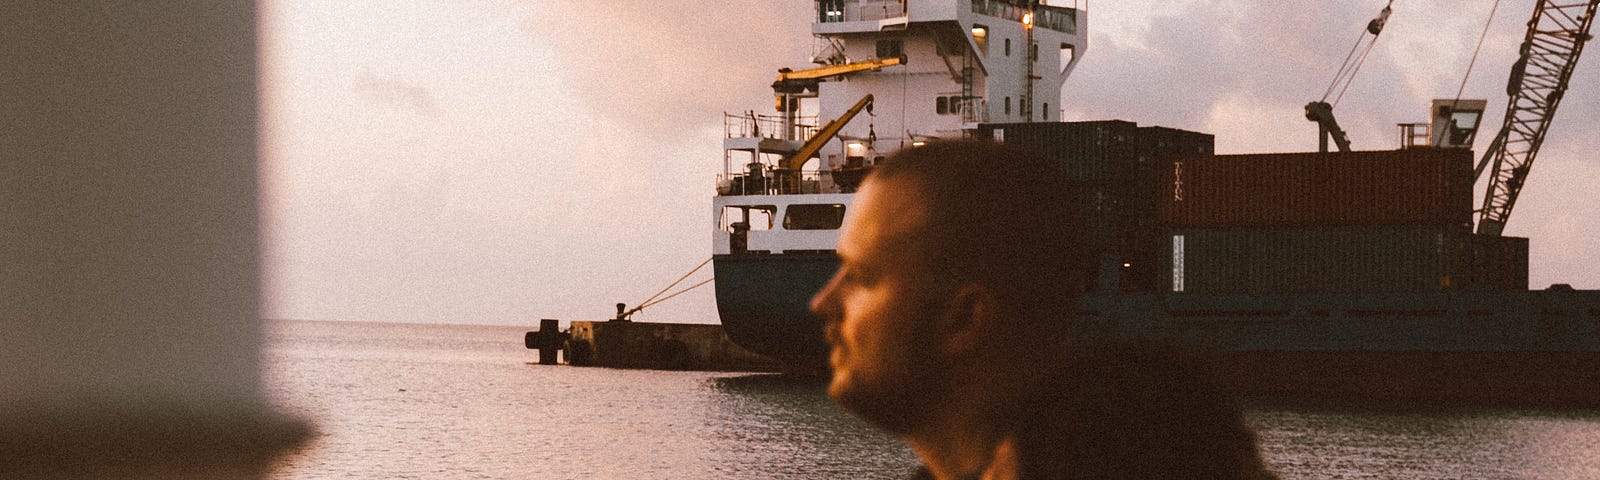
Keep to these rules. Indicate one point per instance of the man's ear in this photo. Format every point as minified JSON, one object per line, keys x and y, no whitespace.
{"x":970,"y":315}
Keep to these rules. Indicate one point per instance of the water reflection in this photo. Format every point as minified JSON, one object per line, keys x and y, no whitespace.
{"x":414,"y":401}
{"x":791,"y":428}
{"x":1353,"y":441}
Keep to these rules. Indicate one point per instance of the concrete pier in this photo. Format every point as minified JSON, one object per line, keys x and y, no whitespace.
{"x":666,"y":346}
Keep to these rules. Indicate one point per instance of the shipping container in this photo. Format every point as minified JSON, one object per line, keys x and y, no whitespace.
{"x":1310,"y":260}
{"x":1140,"y":182}
{"x":1137,"y":251}
{"x":1163,"y":142}
{"x":1087,"y":152}
{"x":1116,"y":167}
{"x":1095,"y":206}
{"x":1416,"y":186}
{"x":1120,"y":162}
{"x":1494,"y":263}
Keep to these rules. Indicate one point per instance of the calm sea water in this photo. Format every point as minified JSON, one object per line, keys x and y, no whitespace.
{"x":460,"y":402}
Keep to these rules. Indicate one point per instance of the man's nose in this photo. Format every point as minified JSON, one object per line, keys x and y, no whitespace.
{"x":823,"y":303}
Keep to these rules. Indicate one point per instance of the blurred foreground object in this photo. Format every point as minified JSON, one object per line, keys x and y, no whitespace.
{"x":129,"y":267}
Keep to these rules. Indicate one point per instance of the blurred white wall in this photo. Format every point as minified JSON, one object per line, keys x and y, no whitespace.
{"x":128,"y":242}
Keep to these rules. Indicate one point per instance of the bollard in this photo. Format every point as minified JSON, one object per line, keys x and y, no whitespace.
{"x":547,"y":340}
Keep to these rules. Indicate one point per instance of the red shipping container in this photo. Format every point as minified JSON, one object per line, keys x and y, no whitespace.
{"x":1416,"y":186}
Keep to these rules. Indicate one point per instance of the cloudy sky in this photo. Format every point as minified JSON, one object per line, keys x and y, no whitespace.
{"x":501,"y":161}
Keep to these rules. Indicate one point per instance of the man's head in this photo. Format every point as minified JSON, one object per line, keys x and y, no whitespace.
{"x":955,"y":256}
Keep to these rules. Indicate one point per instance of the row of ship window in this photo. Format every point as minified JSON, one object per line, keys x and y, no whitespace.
{"x":825,"y":216}
{"x":953,"y":105}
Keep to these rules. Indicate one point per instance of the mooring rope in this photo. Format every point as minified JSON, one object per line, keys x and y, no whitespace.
{"x":653,"y":300}
{"x":674,"y":294}
{"x":675,"y":283}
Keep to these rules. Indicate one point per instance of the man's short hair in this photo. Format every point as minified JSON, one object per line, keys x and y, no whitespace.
{"x":1000,"y":216}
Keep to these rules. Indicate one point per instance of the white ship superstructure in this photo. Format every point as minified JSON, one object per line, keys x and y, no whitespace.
{"x":967,"y":62}
{"x":889,"y":74}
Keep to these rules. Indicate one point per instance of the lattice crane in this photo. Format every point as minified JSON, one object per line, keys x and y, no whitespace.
{"x":1555,"y":38}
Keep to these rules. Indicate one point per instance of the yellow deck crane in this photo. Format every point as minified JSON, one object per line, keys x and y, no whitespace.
{"x":795,"y":83}
{"x":814,"y":144}
{"x":791,"y":86}
{"x":789,"y":168}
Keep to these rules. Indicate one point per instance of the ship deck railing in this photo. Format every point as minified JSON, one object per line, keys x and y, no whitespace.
{"x":858,"y":10}
{"x":772,"y":182}
{"x":751,"y":125}
{"x":974,"y":110}
{"x":1060,"y":19}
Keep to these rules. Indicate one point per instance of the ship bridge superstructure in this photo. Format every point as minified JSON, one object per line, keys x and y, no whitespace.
{"x":966,"y":62}
{"x":927,"y":69}
{"x":885,"y":75}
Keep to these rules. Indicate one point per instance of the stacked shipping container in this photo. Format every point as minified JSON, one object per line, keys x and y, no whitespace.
{"x":1491,"y":263}
{"x":1117,"y":167}
{"x":1417,"y":186}
{"x":1386,"y":221}
{"x":1390,"y":221}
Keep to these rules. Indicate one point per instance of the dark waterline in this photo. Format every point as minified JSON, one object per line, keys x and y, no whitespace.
{"x":447,"y":402}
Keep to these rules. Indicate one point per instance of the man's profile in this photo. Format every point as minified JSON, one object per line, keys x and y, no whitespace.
{"x":950,"y":315}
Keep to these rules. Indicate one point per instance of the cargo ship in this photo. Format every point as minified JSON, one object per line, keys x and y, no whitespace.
{"x":1305,"y":275}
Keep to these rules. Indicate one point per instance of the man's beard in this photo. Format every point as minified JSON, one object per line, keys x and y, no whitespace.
{"x":899,"y":398}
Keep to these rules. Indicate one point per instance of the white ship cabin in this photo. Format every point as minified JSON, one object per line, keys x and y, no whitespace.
{"x":888,"y":74}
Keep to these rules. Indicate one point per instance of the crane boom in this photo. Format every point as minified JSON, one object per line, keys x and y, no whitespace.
{"x":1327,"y":127}
{"x":794,"y":81}
{"x":1321,"y":111}
{"x":1555,"y":38}
{"x":823,"y":135}
{"x":797,"y":82}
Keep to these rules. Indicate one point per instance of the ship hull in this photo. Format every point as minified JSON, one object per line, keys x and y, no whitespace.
{"x":1511,"y":379}
{"x":763,"y":303}
{"x":1525,"y":348}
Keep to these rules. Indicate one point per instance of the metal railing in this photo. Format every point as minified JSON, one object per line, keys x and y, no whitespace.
{"x":856,"y":11}
{"x":1061,"y":19}
{"x":750,"y":125}
{"x":1054,"y":18}
{"x":974,"y":110}
{"x":772,"y":181}
{"x":1414,"y":134}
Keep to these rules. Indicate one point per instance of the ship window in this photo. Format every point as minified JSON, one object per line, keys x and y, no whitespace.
{"x":948,"y":105}
{"x":890,"y":48}
{"x":826,"y":216}
{"x":754,"y":218}
{"x":830,"y":11}
{"x":980,"y":36}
